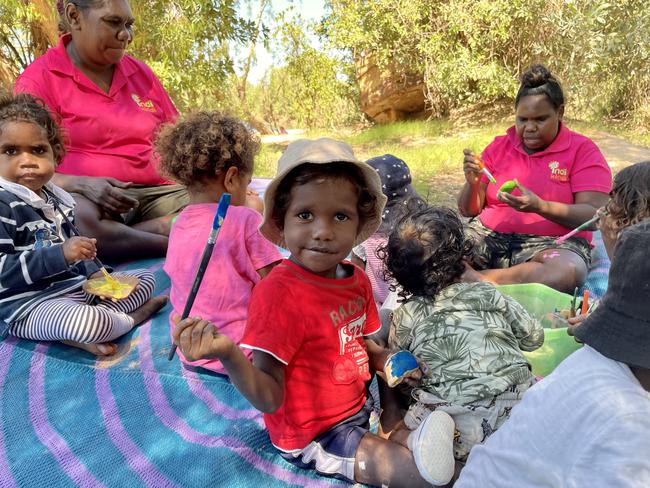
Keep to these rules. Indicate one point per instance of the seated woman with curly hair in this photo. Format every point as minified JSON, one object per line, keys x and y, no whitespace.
{"x":469,"y":335}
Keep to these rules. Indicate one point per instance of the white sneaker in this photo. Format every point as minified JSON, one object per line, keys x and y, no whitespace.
{"x":432,"y":445}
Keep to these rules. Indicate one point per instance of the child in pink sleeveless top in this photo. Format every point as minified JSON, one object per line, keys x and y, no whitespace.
{"x":210,"y":154}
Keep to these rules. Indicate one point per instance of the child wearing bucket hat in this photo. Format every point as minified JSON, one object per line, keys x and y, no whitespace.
{"x":310,"y":325}
{"x":395,"y":177}
{"x":588,"y":423}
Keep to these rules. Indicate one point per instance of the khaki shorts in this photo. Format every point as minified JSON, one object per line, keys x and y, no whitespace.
{"x":474,"y":422}
{"x":495,"y":250}
{"x":155,"y":201}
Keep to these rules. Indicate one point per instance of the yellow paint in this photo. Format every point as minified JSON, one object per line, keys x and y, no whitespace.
{"x":110,"y":288}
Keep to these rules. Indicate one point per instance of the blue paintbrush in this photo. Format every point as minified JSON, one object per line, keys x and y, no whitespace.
{"x":224,"y":202}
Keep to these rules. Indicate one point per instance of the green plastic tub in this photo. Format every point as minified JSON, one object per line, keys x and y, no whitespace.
{"x":542,"y":302}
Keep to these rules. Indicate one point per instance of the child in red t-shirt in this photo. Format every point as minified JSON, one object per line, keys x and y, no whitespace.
{"x":308,"y":324}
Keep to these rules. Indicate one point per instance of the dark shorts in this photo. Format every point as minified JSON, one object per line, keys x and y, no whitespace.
{"x":333,"y":453}
{"x":494,"y":250}
{"x":155,"y":201}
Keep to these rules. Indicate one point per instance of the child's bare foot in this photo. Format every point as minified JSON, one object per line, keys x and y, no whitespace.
{"x":103,"y":349}
{"x":149,"y":308}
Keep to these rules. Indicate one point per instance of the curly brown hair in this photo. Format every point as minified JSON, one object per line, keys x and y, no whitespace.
{"x":26,"y":108}
{"x":425,"y":251}
{"x":303,"y":174}
{"x":630,"y":196}
{"x":203,"y":145}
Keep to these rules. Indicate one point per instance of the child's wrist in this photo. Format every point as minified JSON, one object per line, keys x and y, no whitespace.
{"x":228,"y":354}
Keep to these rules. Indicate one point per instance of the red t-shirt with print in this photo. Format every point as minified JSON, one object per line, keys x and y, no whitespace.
{"x":315,"y":326}
{"x":571,"y":164}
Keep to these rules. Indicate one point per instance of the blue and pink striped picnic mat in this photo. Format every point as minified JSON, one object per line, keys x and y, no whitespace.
{"x":135,"y":419}
{"x":132,"y":420}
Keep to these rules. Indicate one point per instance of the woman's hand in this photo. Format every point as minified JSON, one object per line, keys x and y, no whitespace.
{"x":107,"y":193}
{"x":199,"y":339}
{"x":471,"y":167}
{"x":79,"y":248}
{"x":526,"y":202}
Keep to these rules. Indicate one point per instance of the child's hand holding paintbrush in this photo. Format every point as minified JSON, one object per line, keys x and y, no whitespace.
{"x":200,"y":339}
{"x":220,"y":215}
{"x":79,"y":248}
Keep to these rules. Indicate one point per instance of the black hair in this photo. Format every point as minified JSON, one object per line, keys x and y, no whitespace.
{"x":630,"y":196}
{"x":538,"y":80}
{"x":26,"y":108}
{"x":304,"y":173}
{"x":425,"y":251}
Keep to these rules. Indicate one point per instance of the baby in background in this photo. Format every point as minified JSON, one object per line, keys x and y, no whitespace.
{"x":211,"y":153}
{"x":469,"y":335}
{"x":628,"y":205}
{"x":395,"y":177}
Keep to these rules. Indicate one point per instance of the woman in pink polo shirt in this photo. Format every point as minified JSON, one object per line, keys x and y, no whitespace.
{"x":110,"y":106}
{"x":562,"y":179}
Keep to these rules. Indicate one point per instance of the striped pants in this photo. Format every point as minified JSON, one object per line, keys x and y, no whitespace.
{"x":76,"y":317}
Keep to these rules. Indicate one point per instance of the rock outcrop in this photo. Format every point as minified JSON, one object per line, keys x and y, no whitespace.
{"x":389,"y":94}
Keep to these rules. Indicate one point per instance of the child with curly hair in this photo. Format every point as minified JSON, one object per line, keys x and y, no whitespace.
{"x":629,"y":204}
{"x":469,"y":335}
{"x":212,"y":153}
{"x":311,"y":326}
{"x":43,"y":264}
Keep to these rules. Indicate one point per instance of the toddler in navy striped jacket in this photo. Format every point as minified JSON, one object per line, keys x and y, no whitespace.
{"x":42,"y":264}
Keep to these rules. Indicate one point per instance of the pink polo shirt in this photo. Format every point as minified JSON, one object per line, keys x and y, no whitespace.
{"x":571,"y":164}
{"x":107,"y":134}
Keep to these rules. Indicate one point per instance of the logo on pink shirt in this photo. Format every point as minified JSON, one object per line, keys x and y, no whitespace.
{"x":147,"y":106}
{"x":557,"y":173}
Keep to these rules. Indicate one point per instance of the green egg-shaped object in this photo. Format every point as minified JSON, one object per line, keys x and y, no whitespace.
{"x":508,"y":186}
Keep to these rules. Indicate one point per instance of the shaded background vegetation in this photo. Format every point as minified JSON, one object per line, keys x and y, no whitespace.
{"x":469,"y":52}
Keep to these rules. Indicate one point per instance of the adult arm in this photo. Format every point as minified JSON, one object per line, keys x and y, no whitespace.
{"x":104,"y":192}
{"x":590,"y":180}
{"x":471,"y":198}
{"x":585,"y":206}
{"x":261,"y":382}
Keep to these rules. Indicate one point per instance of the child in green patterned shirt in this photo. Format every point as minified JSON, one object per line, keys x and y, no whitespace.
{"x":469,"y":335}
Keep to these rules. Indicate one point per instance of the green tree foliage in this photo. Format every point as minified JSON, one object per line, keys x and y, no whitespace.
{"x":310,"y":88}
{"x":27,"y":28}
{"x":184,"y":41}
{"x":472,"y":51}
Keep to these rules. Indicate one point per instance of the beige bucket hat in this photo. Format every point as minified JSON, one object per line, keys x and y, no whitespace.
{"x":320,"y":151}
